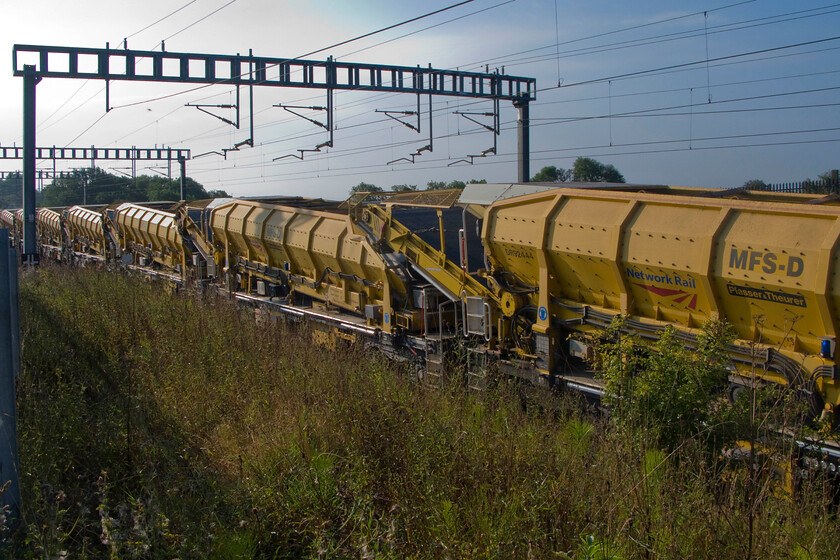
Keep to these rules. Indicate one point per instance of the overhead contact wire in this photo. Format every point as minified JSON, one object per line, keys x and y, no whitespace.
{"x":222,"y":81}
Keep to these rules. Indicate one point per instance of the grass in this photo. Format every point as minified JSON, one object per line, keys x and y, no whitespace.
{"x":155,"y":424}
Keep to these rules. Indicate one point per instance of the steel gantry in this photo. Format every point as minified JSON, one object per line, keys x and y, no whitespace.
{"x":34,"y":62}
{"x":92,"y":154}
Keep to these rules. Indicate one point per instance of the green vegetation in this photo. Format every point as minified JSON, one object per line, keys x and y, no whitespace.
{"x":365,"y":187}
{"x":430,"y":186}
{"x":98,"y":187}
{"x":11,"y":191}
{"x":439,"y":185}
{"x":159,"y":425}
{"x":695,"y":403}
{"x":552,"y":174}
{"x":584,"y":170}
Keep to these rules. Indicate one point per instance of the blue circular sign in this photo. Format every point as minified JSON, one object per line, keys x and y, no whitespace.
{"x":543,"y":313}
{"x":387,"y":318}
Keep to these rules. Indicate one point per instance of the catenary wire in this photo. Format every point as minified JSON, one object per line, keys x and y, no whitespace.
{"x":685,"y":64}
{"x":170,"y":14}
{"x":223,"y":80}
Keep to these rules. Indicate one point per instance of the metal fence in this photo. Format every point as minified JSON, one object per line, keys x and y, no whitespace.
{"x":827,"y":185}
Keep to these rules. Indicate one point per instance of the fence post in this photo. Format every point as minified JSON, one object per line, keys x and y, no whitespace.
{"x":9,"y":335}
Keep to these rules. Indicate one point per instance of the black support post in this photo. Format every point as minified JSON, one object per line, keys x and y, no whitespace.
{"x":183,"y":163}
{"x":524,"y":143}
{"x":30,"y":80}
{"x":9,"y":354}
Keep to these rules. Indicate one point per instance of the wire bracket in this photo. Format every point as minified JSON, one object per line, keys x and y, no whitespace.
{"x":329,"y":126}
{"x":203,"y":108}
{"x":419,"y":151}
{"x":495,"y":128}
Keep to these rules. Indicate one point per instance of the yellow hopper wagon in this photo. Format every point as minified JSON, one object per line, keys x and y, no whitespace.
{"x":7,"y":220}
{"x":554,"y":266}
{"x":50,"y":232}
{"x":569,"y":260}
{"x":88,"y":235}
{"x":151,"y":237}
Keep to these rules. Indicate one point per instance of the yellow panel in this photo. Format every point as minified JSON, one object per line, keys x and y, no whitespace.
{"x":665,"y":265}
{"x":273,"y":237}
{"x":87,"y":223}
{"x":298,"y":236}
{"x":253,"y":231}
{"x":152,"y":229}
{"x":49,"y":222}
{"x":235,"y":228}
{"x":517,"y":234}
{"x":767,"y":276}
{"x":319,"y":250}
{"x":582,"y":247}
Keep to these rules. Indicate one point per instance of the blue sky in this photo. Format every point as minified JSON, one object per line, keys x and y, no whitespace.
{"x":771,"y":115}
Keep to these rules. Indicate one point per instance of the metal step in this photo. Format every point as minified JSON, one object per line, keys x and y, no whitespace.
{"x":476,"y":369}
{"x":436,"y":346}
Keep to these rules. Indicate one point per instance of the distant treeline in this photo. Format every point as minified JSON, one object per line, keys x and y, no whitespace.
{"x":95,"y":186}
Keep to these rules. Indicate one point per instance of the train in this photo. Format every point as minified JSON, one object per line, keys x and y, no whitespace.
{"x":508,"y":276}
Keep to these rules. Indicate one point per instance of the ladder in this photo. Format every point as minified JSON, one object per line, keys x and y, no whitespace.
{"x":435,"y":361}
{"x":438,"y":344}
{"x":476,"y":369}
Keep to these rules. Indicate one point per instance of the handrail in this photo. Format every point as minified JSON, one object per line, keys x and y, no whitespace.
{"x":488,"y":323}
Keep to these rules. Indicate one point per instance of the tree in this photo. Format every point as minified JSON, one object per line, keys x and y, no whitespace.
{"x":365,"y":187}
{"x":161,"y":188}
{"x":755,"y":185}
{"x":588,"y":170}
{"x":440,"y":185}
{"x":11,"y":191}
{"x":829,"y":182}
{"x":404,"y":188}
{"x":611,"y":174}
{"x":96,"y":186}
{"x":551,"y":174}
{"x":667,"y":390}
{"x":91,"y":186}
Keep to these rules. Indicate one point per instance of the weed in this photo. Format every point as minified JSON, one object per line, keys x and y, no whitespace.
{"x":156,"y":424}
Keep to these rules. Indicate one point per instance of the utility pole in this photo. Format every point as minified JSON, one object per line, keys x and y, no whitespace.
{"x":9,"y":364}
{"x":524,"y":138}
{"x":30,"y":80}
{"x":183,"y":163}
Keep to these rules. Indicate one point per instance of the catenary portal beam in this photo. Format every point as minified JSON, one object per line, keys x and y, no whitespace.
{"x":194,"y":68}
{"x":34,"y":62}
{"x":93,"y":154}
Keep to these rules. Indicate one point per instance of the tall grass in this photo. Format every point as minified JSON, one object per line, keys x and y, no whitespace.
{"x":156,"y":424}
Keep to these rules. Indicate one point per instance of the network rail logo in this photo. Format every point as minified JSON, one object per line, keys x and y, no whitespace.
{"x":658,"y":284}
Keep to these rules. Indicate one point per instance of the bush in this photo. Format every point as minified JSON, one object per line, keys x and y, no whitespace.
{"x":667,"y":390}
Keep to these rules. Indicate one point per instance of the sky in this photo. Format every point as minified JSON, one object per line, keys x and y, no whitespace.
{"x":702,"y":93}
